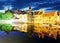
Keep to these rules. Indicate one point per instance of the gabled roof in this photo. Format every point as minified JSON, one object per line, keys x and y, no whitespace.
{"x":49,"y":14}
{"x":38,"y":12}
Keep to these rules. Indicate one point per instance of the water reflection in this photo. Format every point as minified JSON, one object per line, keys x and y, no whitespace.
{"x":40,"y":30}
{"x":19,"y":37}
{"x":12,"y":37}
{"x":34,"y":28}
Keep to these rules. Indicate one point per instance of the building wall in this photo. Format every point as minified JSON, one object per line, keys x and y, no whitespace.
{"x":23,"y":27}
{"x":38,"y":19}
{"x":23,"y":19}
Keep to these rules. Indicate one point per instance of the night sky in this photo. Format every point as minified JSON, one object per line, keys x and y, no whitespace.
{"x":48,"y":5}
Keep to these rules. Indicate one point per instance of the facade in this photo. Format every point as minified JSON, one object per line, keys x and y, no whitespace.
{"x":47,"y":24}
{"x":44,"y":23}
{"x":22,"y":17}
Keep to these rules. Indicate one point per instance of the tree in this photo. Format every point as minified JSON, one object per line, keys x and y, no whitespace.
{"x":1,"y":14}
{"x":0,"y":27}
{"x":8,"y":15}
{"x":7,"y":27}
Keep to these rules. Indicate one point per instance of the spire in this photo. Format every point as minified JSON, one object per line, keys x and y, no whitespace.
{"x":30,"y":7}
{"x":30,"y":10}
{"x":55,"y":13}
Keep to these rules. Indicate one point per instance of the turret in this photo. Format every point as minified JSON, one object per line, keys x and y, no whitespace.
{"x":30,"y":16}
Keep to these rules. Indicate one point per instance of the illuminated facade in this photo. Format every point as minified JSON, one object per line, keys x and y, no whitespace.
{"x":44,"y":23}
{"x":22,"y":19}
{"x":47,"y":24}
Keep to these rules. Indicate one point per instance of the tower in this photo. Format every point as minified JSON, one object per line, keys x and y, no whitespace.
{"x":30,"y":10}
{"x":30,"y":16}
{"x":30,"y":22}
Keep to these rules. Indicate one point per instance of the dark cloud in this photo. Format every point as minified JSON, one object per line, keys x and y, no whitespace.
{"x":37,"y":4}
{"x":48,"y":5}
{"x":6,"y":0}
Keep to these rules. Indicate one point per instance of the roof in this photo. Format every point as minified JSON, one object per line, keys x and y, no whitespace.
{"x":36,"y":13}
{"x":49,"y":14}
{"x":20,"y":12}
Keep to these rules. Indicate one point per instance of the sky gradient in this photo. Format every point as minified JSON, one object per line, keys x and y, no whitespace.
{"x":48,"y":5}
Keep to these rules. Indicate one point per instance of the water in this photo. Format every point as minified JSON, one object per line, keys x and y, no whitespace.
{"x":12,"y":37}
{"x":18,"y":37}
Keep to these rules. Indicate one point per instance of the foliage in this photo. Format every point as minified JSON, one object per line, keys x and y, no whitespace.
{"x":6,"y":27}
{"x":6,"y":16}
{"x":1,"y":14}
{"x":0,"y":27}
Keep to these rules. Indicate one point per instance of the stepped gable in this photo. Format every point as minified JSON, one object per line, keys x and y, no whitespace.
{"x":49,"y":14}
{"x":38,"y":12}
